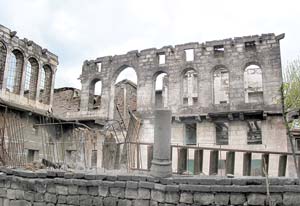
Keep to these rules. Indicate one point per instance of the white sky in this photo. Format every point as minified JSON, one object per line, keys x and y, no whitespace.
{"x":77,"y":30}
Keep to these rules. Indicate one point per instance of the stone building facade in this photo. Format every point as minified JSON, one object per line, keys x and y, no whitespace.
{"x":224,"y":94}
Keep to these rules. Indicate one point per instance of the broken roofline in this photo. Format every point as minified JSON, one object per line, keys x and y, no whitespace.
{"x":193,"y":45}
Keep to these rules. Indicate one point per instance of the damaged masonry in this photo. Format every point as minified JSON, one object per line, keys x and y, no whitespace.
{"x":223,"y":97}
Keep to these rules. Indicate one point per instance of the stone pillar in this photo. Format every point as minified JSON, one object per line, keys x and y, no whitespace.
{"x":161,"y":163}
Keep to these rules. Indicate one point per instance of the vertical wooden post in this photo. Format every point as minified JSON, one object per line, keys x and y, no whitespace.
{"x":282,"y":165}
{"x":149,"y":156}
{"x":182,"y":160}
{"x":198,"y":161}
{"x":213,"y":162}
{"x":230,"y":160}
{"x":247,"y":164}
{"x":264,"y":164}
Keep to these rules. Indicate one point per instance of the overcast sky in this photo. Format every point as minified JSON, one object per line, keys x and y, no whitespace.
{"x":77,"y":30}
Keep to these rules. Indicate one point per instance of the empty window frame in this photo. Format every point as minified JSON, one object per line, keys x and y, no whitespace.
{"x":31,"y":78}
{"x":253,"y":84}
{"x":94,"y":158}
{"x":161,"y":90}
{"x":221,"y":133}
{"x":45,"y":84}
{"x":189,"y":54}
{"x":219,"y":50}
{"x":190,"y":134}
{"x":32,"y":155}
{"x":99,"y":66}
{"x":190,"y":87}
{"x":161,"y":58}
{"x":250,"y":46}
{"x":221,"y":86}
{"x":254,"y":135}
{"x":15,"y":69}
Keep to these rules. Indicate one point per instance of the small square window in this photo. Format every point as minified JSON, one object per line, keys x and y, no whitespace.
{"x":189,"y":54}
{"x":219,"y":50}
{"x":99,"y":66}
{"x":162,"y":58}
{"x":185,"y":101}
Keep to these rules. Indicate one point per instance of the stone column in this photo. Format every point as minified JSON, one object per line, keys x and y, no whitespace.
{"x":161,"y":163}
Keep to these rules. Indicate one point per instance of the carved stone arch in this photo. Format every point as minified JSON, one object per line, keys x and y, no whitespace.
{"x":220,"y":84}
{"x":3,"y":55}
{"x":15,"y":71}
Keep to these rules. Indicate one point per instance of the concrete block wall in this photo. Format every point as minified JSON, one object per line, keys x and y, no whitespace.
{"x":62,"y":188}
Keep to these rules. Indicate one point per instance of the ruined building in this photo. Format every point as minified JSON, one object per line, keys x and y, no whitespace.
{"x":223,"y":95}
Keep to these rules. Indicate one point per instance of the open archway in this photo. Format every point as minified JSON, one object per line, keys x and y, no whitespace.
{"x":221,"y":85}
{"x":45,"y":84}
{"x":124,"y":92}
{"x":95,"y":92}
{"x":161,"y":83}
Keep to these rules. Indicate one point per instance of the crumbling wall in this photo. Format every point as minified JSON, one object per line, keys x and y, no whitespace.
{"x":57,"y":188}
{"x":26,"y":71}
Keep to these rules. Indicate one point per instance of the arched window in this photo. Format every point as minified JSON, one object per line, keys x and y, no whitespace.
{"x":31,"y":77}
{"x":221,"y":86}
{"x":161,"y":90}
{"x":3,"y":52}
{"x":190,"y":87}
{"x":14,"y":74}
{"x":45,"y":84}
{"x":253,"y":84}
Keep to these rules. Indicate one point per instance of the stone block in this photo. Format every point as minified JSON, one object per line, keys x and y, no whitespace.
{"x":85,"y":200}
{"x":39,"y":204}
{"x":103,"y":190}
{"x":61,"y":190}
{"x":19,"y":194}
{"x":141,"y":202}
{"x":50,"y":198}
{"x":93,"y":191}
{"x":61,"y":199}
{"x":109,"y":201}
{"x":237,"y":199}
{"x":221,"y":199}
{"x":256,"y":199}
{"x":144,"y":194}
{"x":131,"y":185}
{"x":11,"y":194}
{"x":172,"y":197}
{"x":204,"y":198}
{"x":117,"y":192}
{"x":276,"y":198}
{"x":98,"y":201}
{"x":157,"y":196}
{"x":172,"y":188}
{"x":51,"y":188}
{"x":147,"y":185}
{"x":124,"y":202}
{"x":73,"y":189}
{"x":39,"y":197}
{"x":73,"y":200}
{"x":130,"y":193}
{"x":82,"y":190}
{"x":29,"y":196}
{"x":3,"y":192}
{"x":186,"y":197}
{"x":19,"y":203}
{"x":291,"y":199}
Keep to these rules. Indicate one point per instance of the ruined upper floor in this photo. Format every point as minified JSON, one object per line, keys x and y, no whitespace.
{"x":230,"y":75}
{"x":26,"y":72}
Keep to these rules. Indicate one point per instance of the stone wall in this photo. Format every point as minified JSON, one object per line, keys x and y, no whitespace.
{"x":22,"y":188}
